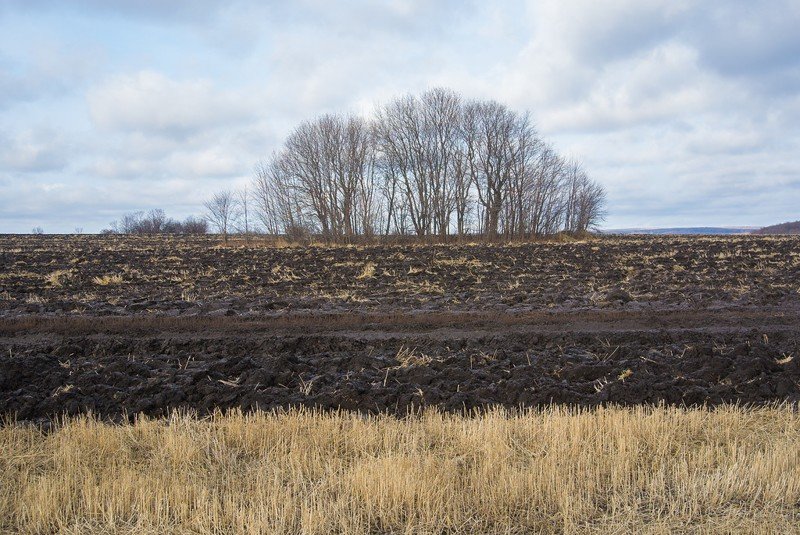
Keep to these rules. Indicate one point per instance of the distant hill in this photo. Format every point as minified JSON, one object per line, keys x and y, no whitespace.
{"x":683,"y":230}
{"x":783,"y":228}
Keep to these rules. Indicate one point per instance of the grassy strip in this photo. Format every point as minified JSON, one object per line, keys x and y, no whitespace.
{"x":607,"y":470}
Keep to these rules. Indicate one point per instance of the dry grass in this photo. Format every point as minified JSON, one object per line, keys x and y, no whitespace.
{"x":409,"y":357}
{"x":108,"y":280}
{"x":368,"y":272}
{"x":283,"y":274}
{"x":342,"y":295}
{"x":459,"y":262}
{"x":650,"y":470}
{"x":56,"y":278}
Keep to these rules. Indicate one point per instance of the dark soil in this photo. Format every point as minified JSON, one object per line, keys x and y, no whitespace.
{"x":579,"y":358}
{"x":179,"y":276}
{"x":585,"y":324}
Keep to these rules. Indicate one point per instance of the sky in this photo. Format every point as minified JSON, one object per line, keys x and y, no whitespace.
{"x":688,"y":112}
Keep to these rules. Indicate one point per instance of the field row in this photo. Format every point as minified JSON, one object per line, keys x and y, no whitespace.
{"x":196,"y":276}
{"x":392,"y":363}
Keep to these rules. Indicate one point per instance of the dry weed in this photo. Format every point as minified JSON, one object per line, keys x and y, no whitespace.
{"x":368,"y":272}
{"x":56,"y":278}
{"x":108,"y":280}
{"x":409,"y":357}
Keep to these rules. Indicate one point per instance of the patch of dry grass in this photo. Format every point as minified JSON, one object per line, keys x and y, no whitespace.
{"x":108,"y":280}
{"x":283,"y":274}
{"x":367,"y":272}
{"x":341,"y":295}
{"x":409,"y":357}
{"x":56,"y":278}
{"x":461,"y":261}
{"x":649,"y":470}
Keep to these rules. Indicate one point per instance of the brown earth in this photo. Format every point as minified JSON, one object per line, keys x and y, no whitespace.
{"x":121,"y":275}
{"x":121,"y":326}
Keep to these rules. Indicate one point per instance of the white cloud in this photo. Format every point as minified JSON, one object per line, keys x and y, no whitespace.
{"x":659,"y":84}
{"x":33,"y":151}
{"x":748,"y":39}
{"x":199,"y":159}
{"x":208,"y":162}
{"x":152,"y":103}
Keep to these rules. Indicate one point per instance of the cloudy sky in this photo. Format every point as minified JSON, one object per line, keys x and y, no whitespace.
{"x":688,"y":112}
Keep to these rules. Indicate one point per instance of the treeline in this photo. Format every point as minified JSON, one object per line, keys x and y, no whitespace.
{"x":156,"y":222}
{"x":429,"y":165}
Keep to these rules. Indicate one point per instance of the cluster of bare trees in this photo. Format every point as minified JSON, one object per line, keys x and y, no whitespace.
{"x":323,"y":180}
{"x":428,"y":165}
{"x":155,"y":222}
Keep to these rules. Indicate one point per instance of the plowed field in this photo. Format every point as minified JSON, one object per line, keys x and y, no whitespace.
{"x":126,"y":325}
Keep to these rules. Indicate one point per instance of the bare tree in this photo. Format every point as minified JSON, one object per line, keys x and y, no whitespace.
{"x":192,"y":225}
{"x":360,"y":162}
{"x":128,"y":224}
{"x":221,"y":212}
{"x":547,"y":205}
{"x":153,"y":223}
{"x":276,"y":203}
{"x":419,"y":152}
{"x":441,"y":110}
{"x":242,"y":200}
{"x":589,"y":205}
{"x":400,"y":143}
{"x":327,"y":166}
{"x":521,"y":185}
{"x":461,"y":190}
{"x":585,"y":200}
{"x":493,"y":137}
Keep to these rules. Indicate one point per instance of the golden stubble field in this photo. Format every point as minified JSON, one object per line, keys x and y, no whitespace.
{"x":608,"y":470}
